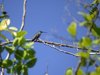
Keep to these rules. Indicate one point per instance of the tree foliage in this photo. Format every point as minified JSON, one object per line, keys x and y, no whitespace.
{"x":91,"y":40}
{"x":21,"y":55}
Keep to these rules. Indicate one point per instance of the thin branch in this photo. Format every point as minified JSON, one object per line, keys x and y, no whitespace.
{"x":52,"y":43}
{"x":78,"y":66}
{"x":2,"y":71}
{"x":60,"y":50}
{"x":24,"y":15}
{"x":64,"y":45}
{"x":8,"y":56}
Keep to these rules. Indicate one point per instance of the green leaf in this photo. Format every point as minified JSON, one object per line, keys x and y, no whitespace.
{"x":84,"y":23}
{"x":97,"y":72}
{"x":83,"y":61}
{"x":97,"y":41}
{"x":69,"y":71}
{"x":25,"y":70}
{"x":18,"y":68}
{"x":21,"y":41}
{"x":86,"y":16}
{"x":6,"y":63}
{"x":19,"y":54}
{"x":31,"y":62}
{"x":21,"y":33}
{"x":96,"y":30}
{"x":1,"y":49}
{"x":15,"y":42}
{"x":83,"y":54}
{"x":85,"y":42}
{"x":95,"y":2}
{"x":28,"y":45}
{"x":72,"y":29}
{"x":10,"y":49}
{"x":80,"y":72}
{"x":30,"y":54}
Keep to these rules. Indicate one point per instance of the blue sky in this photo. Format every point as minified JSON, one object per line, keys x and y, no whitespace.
{"x":52,"y":17}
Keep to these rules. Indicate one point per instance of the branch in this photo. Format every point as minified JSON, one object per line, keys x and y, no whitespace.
{"x":24,"y":15}
{"x":2,"y":71}
{"x":53,"y":43}
{"x":64,"y":45}
{"x":60,"y":50}
{"x":78,"y":66}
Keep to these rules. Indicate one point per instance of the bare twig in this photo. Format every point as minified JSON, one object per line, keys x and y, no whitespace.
{"x":7,"y":57}
{"x":60,"y":50}
{"x":2,"y":71}
{"x":78,"y":66}
{"x":64,"y":45}
{"x":24,"y":15}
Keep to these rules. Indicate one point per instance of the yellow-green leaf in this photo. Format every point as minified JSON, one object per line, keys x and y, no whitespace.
{"x":69,"y":71}
{"x":86,"y":16}
{"x":80,"y":72}
{"x":97,"y":41}
{"x":72,"y":29}
{"x":4,"y":24}
{"x":85,"y":42}
{"x":83,"y":54}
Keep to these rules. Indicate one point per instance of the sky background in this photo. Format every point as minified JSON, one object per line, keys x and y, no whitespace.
{"x":51,"y":16}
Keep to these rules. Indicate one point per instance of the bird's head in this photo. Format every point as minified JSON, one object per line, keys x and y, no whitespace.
{"x":42,"y":32}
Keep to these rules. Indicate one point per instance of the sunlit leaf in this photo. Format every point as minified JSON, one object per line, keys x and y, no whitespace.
{"x":69,"y":71}
{"x":97,"y":72}
{"x":72,"y":29}
{"x":21,"y":33}
{"x":15,"y":42}
{"x":4,"y":24}
{"x":80,"y":72}
{"x":86,"y":16}
{"x":13,"y":28}
{"x":21,"y":41}
{"x":84,"y":23}
{"x":85,"y":42}
{"x":97,"y":41}
{"x":83,"y":54}
{"x":98,"y":69}
{"x":94,"y":13}
{"x":14,"y":33}
{"x":29,"y":45}
{"x":95,"y":2}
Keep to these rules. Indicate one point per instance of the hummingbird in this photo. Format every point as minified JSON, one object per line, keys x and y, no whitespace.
{"x":37,"y":35}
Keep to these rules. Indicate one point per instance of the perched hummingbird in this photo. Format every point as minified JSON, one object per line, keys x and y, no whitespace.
{"x":37,"y":35}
